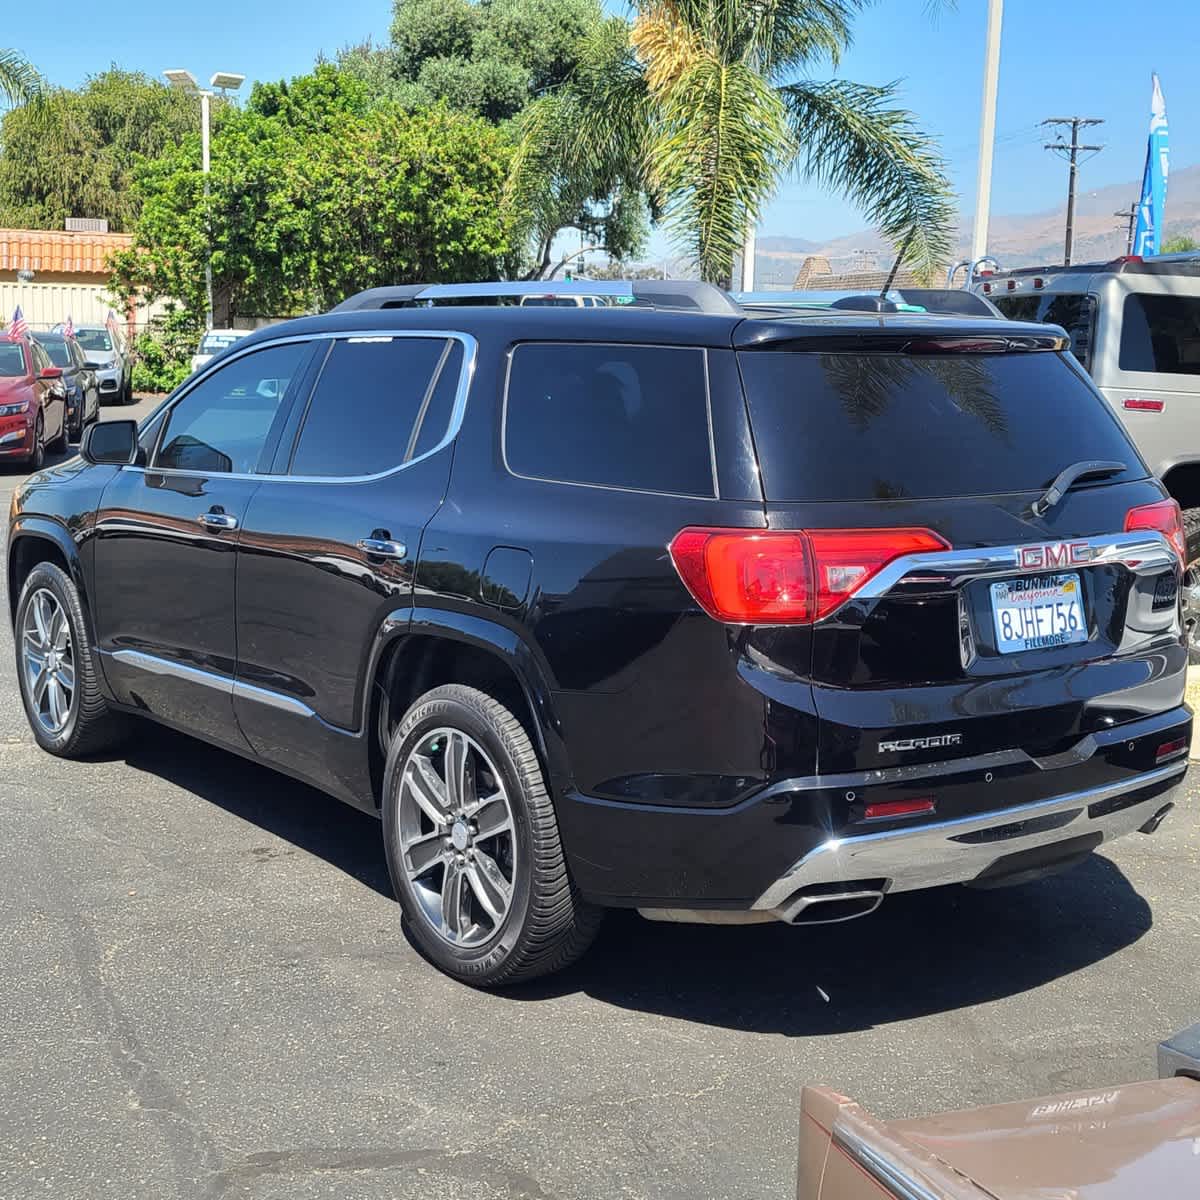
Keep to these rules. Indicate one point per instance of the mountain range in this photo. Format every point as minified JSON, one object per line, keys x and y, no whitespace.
{"x":1015,"y":240}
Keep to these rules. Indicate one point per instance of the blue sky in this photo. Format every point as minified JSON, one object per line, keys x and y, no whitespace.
{"x":1087,"y":57}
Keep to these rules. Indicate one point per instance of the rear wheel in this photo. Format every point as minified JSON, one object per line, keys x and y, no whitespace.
{"x":473,"y":846}
{"x":1191,"y":583}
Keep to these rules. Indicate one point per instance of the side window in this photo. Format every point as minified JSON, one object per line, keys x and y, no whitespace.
{"x":1018,"y":308}
{"x":365,"y":406}
{"x":1160,"y":334}
{"x":619,"y":416}
{"x":440,"y":408}
{"x":1075,"y":314}
{"x":223,"y":423}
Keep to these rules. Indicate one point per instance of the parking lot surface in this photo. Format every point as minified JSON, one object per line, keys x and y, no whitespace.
{"x":207,"y":993}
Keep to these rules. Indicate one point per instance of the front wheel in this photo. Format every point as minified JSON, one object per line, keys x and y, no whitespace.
{"x":37,"y":456}
{"x":473,"y":846}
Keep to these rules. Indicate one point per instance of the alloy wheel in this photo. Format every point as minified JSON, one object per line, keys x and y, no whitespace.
{"x":1191,"y":610}
{"x":457,"y":837}
{"x":48,"y":661}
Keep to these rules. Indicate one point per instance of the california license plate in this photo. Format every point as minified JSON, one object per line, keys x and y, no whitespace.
{"x":1033,"y":614}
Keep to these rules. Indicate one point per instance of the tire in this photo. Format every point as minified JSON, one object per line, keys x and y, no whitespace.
{"x":37,"y":457}
{"x":90,"y":726}
{"x":546,"y":925}
{"x":1191,"y":583}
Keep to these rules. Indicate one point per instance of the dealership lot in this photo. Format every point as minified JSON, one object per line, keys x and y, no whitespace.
{"x":208,"y":994}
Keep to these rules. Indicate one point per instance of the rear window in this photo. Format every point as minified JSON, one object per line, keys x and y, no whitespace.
{"x":93,"y":339}
{"x":60,"y":356}
{"x":1161,"y":334}
{"x":1074,"y":311}
{"x":633,"y":417}
{"x":12,"y":360}
{"x":890,"y":426}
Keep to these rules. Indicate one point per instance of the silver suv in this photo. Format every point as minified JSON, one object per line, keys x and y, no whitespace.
{"x":1135,"y":327}
{"x":115,"y":373}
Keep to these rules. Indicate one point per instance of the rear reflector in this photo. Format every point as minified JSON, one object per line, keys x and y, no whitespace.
{"x":752,"y":577}
{"x":1171,"y":750}
{"x":898,"y":808}
{"x":1137,"y":404}
{"x":1163,"y":516}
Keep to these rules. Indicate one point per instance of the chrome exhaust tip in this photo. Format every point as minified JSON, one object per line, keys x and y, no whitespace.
{"x":826,"y":904}
{"x":1156,"y":820}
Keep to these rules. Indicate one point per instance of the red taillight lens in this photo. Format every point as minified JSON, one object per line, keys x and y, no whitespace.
{"x":1171,"y":750}
{"x":898,"y":808}
{"x":1137,"y":404}
{"x":749,"y":577}
{"x":1164,"y":516}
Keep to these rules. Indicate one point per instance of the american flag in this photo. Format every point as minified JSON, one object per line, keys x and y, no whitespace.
{"x":69,"y":327}
{"x":19,"y":327}
{"x":110,"y":323}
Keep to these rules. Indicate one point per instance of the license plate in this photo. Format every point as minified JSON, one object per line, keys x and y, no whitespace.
{"x":1034,"y":614}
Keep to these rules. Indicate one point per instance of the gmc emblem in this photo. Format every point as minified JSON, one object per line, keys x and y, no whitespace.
{"x":1056,"y":554}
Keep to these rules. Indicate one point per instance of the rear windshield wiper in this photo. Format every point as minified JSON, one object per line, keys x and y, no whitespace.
{"x":1068,"y":477}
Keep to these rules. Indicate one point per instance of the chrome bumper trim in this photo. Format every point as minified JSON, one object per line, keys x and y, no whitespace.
{"x":930,"y":855}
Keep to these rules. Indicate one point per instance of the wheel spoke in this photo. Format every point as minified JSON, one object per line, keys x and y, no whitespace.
{"x":456,"y":770}
{"x":452,"y":900}
{"x":60,"y":631}
{"x":491,"y":817}
{"x":487,"y":881}
{"x":427,"y":789}
{"x":41,"y":621}
{"x":38,"y":687}
{"x":66,"y":676}
{"x":56,"y":700}
{"x":424,"y":852}
{"x":33,"y":644}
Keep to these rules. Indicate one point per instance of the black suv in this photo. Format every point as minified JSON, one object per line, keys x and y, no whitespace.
{"x":720,"y":617}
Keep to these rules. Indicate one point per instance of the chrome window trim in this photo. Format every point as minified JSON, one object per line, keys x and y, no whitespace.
{"x":457,"y":414}
{"x":609,"y":487}
{"x":228,"y":686}
{"x":1140,"y":551}
{"x":886,"y":1173}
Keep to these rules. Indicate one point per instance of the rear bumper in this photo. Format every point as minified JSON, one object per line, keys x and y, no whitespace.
{"x":992,"y":844}
{"x":996,"y":814}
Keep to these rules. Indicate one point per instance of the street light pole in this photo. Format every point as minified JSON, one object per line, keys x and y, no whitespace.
{"x":987,"y":129}
{"x":225,"y":82}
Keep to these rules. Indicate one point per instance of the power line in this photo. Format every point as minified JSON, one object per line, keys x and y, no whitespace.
{"x":1071,"y":153}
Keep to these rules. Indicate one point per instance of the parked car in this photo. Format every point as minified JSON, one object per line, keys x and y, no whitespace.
{"x":79,"y":380}
{"x":1135,"y":326}
{"x":213,"y":342}
{"x":33,"y":403}
{"x":114,"y":364}
{"x":1124,"y":1142}
{"x":722,"y":618}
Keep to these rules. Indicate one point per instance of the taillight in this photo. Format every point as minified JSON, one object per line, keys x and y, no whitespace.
{"x":1163,"y":516}
{"x":752,"y":577}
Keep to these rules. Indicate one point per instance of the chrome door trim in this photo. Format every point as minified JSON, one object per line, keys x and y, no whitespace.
{"x":153,"y":665}
{"x":1141,"y":552}
{"x":457,"y":414}
{"x":886,"y":1173}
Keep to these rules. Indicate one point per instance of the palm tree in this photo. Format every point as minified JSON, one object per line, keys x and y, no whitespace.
{"x":19,"y":81}
{"x":705,"y":103}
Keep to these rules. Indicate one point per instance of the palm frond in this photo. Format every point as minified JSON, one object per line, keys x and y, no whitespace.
{"x":853,"y":140}
{"x":20,"y":82}
{"x":781,"y":36}
{"x":721,"y":141}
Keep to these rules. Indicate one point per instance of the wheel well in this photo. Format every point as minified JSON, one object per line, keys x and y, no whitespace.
{"x":416,"y":665}
{"x":27,"y":553}
{"x":1183,"y":483}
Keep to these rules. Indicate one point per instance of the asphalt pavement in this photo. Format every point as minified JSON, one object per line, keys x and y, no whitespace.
{"x":207,"y":994}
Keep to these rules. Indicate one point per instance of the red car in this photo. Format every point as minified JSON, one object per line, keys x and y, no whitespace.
{"x":33,"y":403}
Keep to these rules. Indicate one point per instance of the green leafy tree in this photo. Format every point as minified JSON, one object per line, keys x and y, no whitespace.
{"x":315,"y":195}
{"x":73,"y":153}
{"x":1180,"y":244}
{"x":708,"y":104}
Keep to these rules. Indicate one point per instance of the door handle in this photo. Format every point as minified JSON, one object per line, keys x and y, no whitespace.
{"x":218,"y":520}
{"x":382,"y":547}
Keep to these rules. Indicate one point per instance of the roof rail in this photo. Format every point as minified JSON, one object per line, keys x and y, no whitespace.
{"x":681,"y":294}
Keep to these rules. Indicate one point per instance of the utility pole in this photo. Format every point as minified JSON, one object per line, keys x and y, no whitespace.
{"x":987,"y":129}
{"x":1072,"y":154}
{"x":1129,"y":217}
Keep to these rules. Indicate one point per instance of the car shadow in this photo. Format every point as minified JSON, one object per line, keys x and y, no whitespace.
{"x":921,"y":953}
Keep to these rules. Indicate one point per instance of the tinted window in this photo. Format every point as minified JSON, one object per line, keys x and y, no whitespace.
{"x":57,"y":351}
{"x":365,"y":406}
{"x":1161,"y":333}
{"x":12,"y":360}
{"x":438,"y":411}
{"x":93,"y":339}
{"x":888,"y":426}
{"x":1073,"y":311}
{"x":223,"y":423}
{"x":621,"y":416}
{"x":1018,"y":308}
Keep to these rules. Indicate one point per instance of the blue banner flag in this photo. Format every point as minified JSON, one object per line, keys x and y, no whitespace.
{"x":1147,"y":237}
